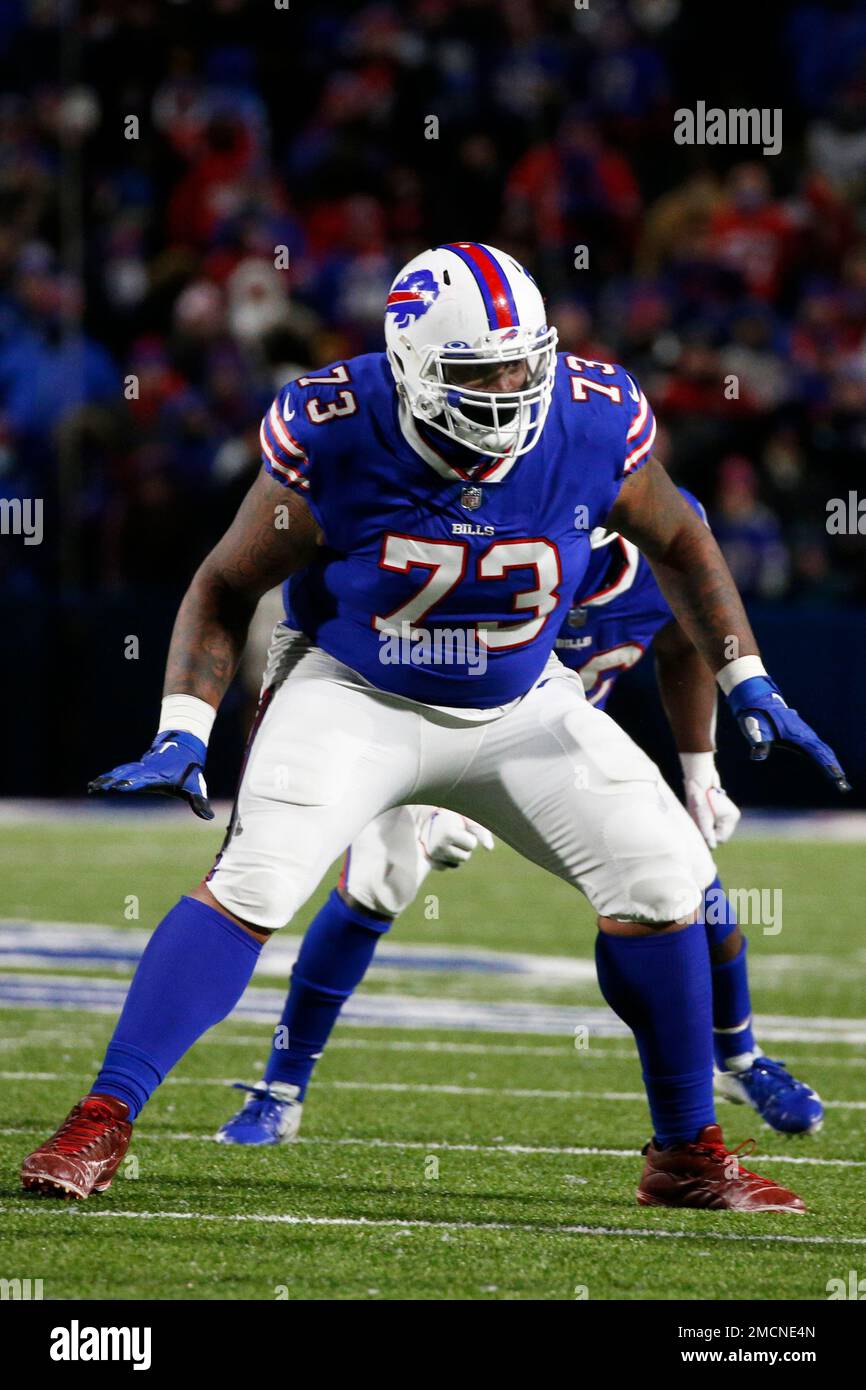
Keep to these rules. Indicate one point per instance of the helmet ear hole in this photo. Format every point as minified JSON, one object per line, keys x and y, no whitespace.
{"x":399,"y":362}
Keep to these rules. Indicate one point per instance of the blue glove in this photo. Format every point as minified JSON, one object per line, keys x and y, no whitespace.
{"x":765,"y":719}
{"x":172,"y":766}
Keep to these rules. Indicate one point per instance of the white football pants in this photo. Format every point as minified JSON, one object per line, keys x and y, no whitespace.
{"x":554,"y":777}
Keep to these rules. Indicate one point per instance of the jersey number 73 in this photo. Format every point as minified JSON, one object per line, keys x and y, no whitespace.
{"x":447,"y":561}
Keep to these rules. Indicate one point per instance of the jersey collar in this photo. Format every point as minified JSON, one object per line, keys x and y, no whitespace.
{"x":492,"y":471}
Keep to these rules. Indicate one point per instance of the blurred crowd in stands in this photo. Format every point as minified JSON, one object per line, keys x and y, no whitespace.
{"x":201,"y":198}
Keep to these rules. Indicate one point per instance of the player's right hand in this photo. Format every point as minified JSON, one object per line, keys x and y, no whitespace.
{"x":172,"y":766}
{"x":713,"y":812}
{"x":449,"y":840}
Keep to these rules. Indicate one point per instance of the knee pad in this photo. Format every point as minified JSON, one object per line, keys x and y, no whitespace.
{"x":265,"y":896}
{"x":655,"y":869}
{"x":667,"y":893}
{"x":385,"y":865}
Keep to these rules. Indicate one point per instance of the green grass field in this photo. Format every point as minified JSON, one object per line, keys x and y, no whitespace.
{"x":433,"y":1163}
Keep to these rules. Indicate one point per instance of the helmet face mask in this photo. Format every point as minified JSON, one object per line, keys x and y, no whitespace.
{"x":482,"y":383}
{"x":489,"y":418}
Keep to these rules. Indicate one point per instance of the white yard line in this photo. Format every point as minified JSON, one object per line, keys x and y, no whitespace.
{"x":412,"y":1088}
{"x":595,"y":1052}
{"x":444,"y":1146}
{"x":569,"y":1150}
{"x":392,"y":1223}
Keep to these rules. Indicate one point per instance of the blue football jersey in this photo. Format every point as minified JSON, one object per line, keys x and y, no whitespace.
{"x":616,"y":613}
{"x":440,"y":578}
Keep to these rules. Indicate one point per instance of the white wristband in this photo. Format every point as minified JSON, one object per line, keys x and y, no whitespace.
{"x":743,"y":669}
{"x":189,"y":714}
{"x":699,"y":767}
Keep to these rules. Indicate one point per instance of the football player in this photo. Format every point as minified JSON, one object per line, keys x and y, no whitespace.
{"x":622,"y":613}
{"x":427,"y":674}
{"x":619,"y":613}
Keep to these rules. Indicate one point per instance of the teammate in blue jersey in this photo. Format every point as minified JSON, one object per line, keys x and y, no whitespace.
{"x":621,"y":612}
{"x":435,"y":503}
{"x":618,"y":613}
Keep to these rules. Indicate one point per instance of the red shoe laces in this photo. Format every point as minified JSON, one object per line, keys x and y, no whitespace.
{"x":82,"y":1129}
{"x":720,"y":1152}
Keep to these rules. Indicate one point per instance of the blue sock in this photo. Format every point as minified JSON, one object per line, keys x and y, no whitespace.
{"x":732,"y":1009}
{"x":718,"y":913}
{"x":333,"y":959}
{"x":193,"y":971}
{"x":732,"y":1005}
{"x":660,"y":986}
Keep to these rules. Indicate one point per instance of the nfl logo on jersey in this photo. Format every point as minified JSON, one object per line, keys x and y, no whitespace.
{"x":471,"y":498}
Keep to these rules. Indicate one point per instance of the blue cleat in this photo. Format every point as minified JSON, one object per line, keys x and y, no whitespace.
{"x":785,"y":1104}
{"x":270,"y":1115}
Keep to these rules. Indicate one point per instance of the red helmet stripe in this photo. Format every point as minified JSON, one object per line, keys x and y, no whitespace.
{"x":491,"y":281}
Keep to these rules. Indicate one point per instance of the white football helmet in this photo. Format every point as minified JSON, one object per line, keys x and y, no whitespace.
{"x":457,"y":319}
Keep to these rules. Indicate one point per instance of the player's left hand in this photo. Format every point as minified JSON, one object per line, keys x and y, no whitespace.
{"x":765,"y":719}
{"x":710,"y":807}
{"x":449,"y":840}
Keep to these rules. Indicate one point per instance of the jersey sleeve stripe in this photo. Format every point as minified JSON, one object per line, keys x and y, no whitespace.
{"x":283,"y":470}
{"x":284,"y":436}
{"x":634,"y":458}
{"x":639,"y":420}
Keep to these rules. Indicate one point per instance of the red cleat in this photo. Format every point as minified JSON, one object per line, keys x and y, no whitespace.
{"x":83,"y":1155}
{"x":706,"y":1174}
